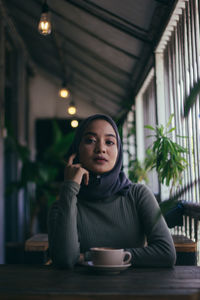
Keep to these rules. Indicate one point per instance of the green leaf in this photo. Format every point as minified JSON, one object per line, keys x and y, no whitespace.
{"x":170,"y":120}
{"x":172,"y":129}
{"x":149,"y":127}
{"x":168,"y":160}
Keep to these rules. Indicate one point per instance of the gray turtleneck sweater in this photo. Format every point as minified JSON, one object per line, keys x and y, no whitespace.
{"x":128,"y":222}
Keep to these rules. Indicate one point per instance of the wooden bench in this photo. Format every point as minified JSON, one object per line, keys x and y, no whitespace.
{"x":186,"y":250}
{"x":36,"y":249}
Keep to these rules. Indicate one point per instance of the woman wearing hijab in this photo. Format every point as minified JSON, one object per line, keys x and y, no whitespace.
{"x":100,"y":207}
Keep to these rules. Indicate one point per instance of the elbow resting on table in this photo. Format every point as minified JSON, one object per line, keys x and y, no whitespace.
{"x":64,"y":263}
{"x":61,"y":260}
{"x":170,"y":258}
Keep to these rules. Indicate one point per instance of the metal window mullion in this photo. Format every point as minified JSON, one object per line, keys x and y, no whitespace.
{"x":194,"y":111}
{"x":197,"y":38}
{"x":184,"y":49}
{"x":171,"y":81}
{"x":197,"y":143}
{"x":193,"y":38}
{"x":189,"y":123}
{"x":181,"y":66}
{"x":178,"y":75}
{"x":190,"y":45}
{"x":186,"y":54}
{"x":168,"y":79}
{"x":197,"y":35}
{"x":180,"y":80}
{"x":195,"y":137}
{"x":198,"y":149}
{"x":173,"y":72}
{"x":181,"y":42}
{"x":187,"y":84}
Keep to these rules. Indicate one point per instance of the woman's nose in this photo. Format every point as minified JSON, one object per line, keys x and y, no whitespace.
{"x":100,"y":147}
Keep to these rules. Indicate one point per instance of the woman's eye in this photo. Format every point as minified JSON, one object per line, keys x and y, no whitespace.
{"x":110,"y":142}
{"x":90,"y":141}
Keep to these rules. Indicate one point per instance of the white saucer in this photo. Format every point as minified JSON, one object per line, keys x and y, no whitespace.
{"x":114,"y":269}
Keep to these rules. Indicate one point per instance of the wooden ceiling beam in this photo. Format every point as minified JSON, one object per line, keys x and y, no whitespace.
{"x":93,"y":68}
{"x":116,"y":16}
{"x":61,"y":55}
{"x":87,"y":87}
{"x":52,"y":59}
{"x":62,"y":50}
{"x":164,"y":2}
{"x":127,"y":53}
{"x":110,"y":21}
{"x":82,"y":96}
{"x":87,"y":51}
{"x":93,"y":80}
{"x":26,"y":20}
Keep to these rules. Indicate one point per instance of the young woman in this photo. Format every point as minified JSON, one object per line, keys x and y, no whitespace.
{"x":100,"y":207}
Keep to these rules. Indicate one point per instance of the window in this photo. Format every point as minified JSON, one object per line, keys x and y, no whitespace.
{"x":178,"y":54}
{"x":181,"y":64}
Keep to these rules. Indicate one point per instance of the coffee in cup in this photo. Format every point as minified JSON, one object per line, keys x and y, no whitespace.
{"x":109,"y":256}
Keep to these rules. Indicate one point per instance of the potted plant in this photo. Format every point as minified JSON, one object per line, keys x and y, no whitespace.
{"x":137,"y":170}
{"x":168,"y":160}
{"x":43,"y":173}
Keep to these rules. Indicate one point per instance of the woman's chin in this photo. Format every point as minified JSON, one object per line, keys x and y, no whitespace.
{"x":98,"y":170}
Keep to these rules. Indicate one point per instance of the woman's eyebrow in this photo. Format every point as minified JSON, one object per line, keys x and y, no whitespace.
{"x":90,"y":133}
{"x":111,"y":135}
{"x":94,"y":134}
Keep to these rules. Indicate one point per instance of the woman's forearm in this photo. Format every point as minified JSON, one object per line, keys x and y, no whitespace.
{"x":159,"y":250}
{"x":62,"y":227}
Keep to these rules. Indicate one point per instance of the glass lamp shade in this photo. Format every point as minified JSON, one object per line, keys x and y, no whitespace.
{"x":74,"y":123}
{"x":64,"y":92}
{"x":44,"y":26}
{"x":72,"y":110}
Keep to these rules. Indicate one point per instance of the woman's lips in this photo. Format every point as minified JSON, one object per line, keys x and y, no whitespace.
{"x":100,"y":160}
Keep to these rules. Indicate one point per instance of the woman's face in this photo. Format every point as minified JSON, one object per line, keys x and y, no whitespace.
{"x":98,"y":147}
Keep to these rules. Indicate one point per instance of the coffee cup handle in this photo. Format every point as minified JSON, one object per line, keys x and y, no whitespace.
{"x":128,"y":254}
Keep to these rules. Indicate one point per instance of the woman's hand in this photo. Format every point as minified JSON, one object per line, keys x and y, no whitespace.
{"x":75,"y":172}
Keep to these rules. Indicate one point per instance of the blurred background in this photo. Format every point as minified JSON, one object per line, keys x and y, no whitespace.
{"x":61,"y":61}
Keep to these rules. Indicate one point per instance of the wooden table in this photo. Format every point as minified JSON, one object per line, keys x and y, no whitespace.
{"x":45,"y":282}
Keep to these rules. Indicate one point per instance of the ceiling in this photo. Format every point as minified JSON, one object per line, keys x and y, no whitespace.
{"x":102,"y":47}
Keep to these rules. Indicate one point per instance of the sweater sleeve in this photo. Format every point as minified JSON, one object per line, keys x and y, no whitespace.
{"x":159,"y":251}
{"x":64,"y":245}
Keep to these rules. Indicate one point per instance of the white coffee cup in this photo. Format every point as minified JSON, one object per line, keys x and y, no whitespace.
{"x":109,"y":256}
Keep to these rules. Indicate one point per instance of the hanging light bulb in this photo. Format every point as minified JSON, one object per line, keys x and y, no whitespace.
{"x":72,"y":109}
{"x":74,"y":123}
{"x":63,"y":91}
{"x":44,"y":26}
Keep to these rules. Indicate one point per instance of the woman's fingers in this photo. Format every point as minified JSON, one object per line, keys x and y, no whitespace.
{"x":86,"y":177}
{"x":71,"y":159}
{"x":75,"y":172}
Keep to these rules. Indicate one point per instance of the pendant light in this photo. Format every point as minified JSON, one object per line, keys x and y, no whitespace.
{"x":74,"y":123}
{"x":72,"y":108}
{"x":44,"y":26}
{"x":64,"y":91}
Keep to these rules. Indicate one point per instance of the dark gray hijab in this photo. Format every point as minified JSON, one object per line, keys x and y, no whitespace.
{"x":107,"y":184}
